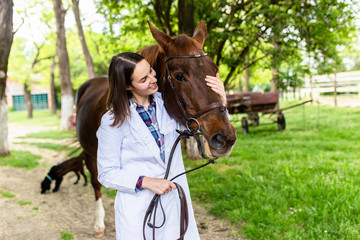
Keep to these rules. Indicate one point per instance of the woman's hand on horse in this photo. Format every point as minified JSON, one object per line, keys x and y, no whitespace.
{"x":158,"y":185}
{"x":217,"y":86}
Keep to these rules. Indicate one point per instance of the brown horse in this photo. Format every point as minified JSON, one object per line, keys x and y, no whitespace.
{"x":181,"y":66}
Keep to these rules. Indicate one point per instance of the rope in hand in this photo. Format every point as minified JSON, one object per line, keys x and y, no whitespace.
{"x":184,"y":214}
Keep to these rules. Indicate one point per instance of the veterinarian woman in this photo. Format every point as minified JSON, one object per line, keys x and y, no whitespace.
{"x":134,"y":141}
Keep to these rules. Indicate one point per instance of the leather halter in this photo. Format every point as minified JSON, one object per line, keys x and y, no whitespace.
{"x":189,"y":118}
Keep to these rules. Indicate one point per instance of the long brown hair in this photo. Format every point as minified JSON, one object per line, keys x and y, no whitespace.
{"x":120,"y":71}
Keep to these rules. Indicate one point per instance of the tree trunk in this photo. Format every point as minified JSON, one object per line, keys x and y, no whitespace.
{"x":52,"y":87}
{"x":275,"y":68}
{"x":240,"y":85}
{"x":28,"y":102}
{"x":274,"y":80}
{"x":67,"y":99}
{"x":192,"y":151}
{"x":88,"y":59}
{"x":162,"y":11}
{"x":247,"y":74}
{"x":186,"y":16}
{"x":6,"y":39}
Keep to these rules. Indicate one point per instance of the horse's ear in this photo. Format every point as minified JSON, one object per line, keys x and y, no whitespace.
{"x":200,"y":33}
{"x":161,"y":38}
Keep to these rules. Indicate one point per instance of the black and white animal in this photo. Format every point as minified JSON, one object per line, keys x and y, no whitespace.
{"x":57,"y":172}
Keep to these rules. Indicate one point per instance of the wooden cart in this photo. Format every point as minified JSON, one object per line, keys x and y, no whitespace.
{"x":253,"y":103}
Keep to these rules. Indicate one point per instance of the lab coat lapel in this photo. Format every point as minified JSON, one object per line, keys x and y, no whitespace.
{"x":161,"y":115}
{"x":143,"y":133}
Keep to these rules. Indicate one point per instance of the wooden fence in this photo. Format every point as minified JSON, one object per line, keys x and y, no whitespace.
{"x":336,"y":89}
{"x":336,"y":84}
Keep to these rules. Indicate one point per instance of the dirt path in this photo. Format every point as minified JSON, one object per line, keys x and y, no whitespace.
{"x":31,"y":215}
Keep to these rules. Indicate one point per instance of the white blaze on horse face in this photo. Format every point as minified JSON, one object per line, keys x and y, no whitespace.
{"x":99,"y":218}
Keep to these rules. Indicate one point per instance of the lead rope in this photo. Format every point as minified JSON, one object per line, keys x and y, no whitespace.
{"x":184,"y":214}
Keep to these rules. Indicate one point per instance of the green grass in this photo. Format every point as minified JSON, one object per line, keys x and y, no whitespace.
{"x":66,"y":235}
{"x":23,"y":203}
{"x":40,"y":118}
{"x":52,"y":134}
{"x":71,"y":151}
{"x":301,"y":183}
{"x":6,"y":194}
{"x":20,"y":159}
{"x":109,"y":192}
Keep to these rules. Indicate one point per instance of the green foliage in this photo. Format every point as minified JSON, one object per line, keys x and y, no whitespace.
{"x":20,"y":159}
{"x":66,"y":235}
{"x":77,"y":60}
{"x":270,"y":34}
{"x":21,"y":57}
{"x":301,"y":183}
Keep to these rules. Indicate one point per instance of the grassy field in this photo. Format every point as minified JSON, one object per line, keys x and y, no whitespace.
{"x":23,"y":159}
{"x":40,"y":118}
{"x":301,"y":183}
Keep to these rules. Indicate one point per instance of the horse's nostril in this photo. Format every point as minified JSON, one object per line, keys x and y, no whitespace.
{"x":217,"y":141}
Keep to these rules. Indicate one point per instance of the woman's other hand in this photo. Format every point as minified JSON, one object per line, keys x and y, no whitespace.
{"x":158,"y":185}
{"x":217,"y":86}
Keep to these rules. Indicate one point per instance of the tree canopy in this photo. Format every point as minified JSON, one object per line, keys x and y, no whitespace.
{"x":294,"y":37}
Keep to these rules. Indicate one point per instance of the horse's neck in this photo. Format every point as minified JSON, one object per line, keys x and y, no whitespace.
{"x":156,"y":59}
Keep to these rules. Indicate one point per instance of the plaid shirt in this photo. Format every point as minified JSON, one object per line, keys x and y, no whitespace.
{"x":149,"y":118}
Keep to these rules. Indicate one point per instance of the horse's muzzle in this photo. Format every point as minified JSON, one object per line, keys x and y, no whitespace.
{"x":217,"y":142}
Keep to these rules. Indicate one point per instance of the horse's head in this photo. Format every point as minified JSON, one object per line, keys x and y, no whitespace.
{"x":188,"y":99}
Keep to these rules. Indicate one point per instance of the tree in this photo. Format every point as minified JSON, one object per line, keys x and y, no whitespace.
{"x":186,"y":16}
{"x":6,"y":39}
{"x":20,"y":68}
{"x":241,"y":33}
{"x":52,"y":86}
{"x":163,"y":15}
{"x":67,"y":99}
{"x":88,"y":59}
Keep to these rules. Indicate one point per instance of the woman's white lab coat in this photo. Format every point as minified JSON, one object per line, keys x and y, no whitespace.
{"x":129,"y":151}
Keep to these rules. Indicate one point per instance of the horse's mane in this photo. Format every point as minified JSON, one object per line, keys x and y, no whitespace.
{"x":150,"y":53}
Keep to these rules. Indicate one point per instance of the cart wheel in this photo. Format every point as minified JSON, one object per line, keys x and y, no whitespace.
{"x":281,"y":122}
{"x":257,"y":121}
{"x":244,"y":125}
{"x":254,"y":119}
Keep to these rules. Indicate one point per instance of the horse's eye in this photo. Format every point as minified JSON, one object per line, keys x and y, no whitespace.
{"x":180,"y":77}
